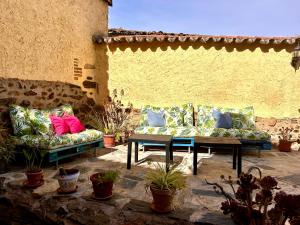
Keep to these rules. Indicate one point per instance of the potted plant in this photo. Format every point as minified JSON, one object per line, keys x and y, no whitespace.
{"x":285,"y":136}
{"x":67,"y":179}
{"x":163,"y":184}
{"x":34,"y":158}
{"x":256,"y":200}
{"x":111,"y":119}
{"x":103,"y":183}
{"x":7,"y":149}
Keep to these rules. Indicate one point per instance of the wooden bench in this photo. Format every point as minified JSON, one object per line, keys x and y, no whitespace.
{"x":54,"y":155}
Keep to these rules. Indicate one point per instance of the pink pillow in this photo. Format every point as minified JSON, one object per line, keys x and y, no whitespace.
{"x":74,"y":124}
{"x":60,"y":126}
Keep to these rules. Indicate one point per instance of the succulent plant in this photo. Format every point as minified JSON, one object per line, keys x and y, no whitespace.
{"x":251,"y":203}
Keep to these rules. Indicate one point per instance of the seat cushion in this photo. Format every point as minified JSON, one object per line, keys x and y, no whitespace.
{"x":238,"y":133}
{"x":174,"y":131}
{"x":53,"y":142}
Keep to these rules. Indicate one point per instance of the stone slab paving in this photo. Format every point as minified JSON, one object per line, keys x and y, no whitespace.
{"x":197,"y":204}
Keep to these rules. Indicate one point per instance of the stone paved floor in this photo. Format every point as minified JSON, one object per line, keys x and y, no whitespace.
{"x":199,"y":198}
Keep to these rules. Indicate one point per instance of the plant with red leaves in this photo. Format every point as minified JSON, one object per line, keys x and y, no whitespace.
{"x":253,"y":202}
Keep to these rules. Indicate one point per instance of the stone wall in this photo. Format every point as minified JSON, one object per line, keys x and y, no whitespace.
{"x":52,"y":40}
{"x":272,"y":126}
{"x":42,"y":95}
{"x":218,"y":74}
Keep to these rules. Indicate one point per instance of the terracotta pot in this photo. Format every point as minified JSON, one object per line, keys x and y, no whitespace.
{"x":35,"y":177}
{"x":284,"y":146}
{"x":109,"y":140}
{"x":101,"y":189}
{"x":68,"y":183}
{"x":162,"y":200}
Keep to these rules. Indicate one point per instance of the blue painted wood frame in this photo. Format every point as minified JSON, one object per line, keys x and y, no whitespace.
{"x":54,"y":155}
{"x":176,"y":142}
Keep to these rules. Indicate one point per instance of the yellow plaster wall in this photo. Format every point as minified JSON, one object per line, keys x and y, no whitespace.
{"x":41,"y":38}
{"x":212,"y":74}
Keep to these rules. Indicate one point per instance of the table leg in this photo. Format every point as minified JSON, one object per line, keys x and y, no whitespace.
{"x":136,"y":152}
{"x":234,"y":157}
{"x":195,"y":160}
{"x":129,"y":155}
{"x":167,"y":156}
{"x":239,"y":155}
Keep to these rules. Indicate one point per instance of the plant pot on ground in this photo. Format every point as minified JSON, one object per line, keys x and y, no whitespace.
{"x":285,"y":136}
{"x":103,"y":183}
{"x":284,"y":145}
{"x":109,"y":140}
{"x":112,"y":119}
{"x":163,"y":184}
{"x":34,"y":158}
{"x":67,"y":179}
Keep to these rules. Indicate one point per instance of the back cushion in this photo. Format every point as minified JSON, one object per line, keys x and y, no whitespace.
{"x":188,"y":114}
{"x":241,"y":118}
{"x":40,"y":121}
{"x":20,"y":120}
{"x":173,"y":115}
{"x":156,"y":119}
{"x":62,"y":110}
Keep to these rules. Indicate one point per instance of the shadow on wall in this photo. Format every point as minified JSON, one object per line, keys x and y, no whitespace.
{"x":41,"y":95}
{"x":153,"y":46}
{"x":96,"y":76}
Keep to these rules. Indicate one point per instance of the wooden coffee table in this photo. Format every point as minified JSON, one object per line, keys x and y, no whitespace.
{"x":218,"y":142}
{"x":149,"y":138}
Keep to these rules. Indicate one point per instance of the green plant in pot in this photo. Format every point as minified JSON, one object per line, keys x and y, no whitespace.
{"x":285,"y":139}
{"x":7,"y":149}
{"x":163,"y":184}
{"x":67,"y":179}
{"x":111,"y":119}
{"x":34,"y":158}
{"x":103,"y":183}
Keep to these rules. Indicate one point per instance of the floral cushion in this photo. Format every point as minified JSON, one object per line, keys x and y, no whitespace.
{"x":53,"y":142}
{"x":188,"y":114}
{"x":19,"y":119}
{"x":29,"y":121}
{"x":241,"y":118}
{"x":173,"y":115}
{"x":61,"y":110}
{"x":40,"y":121}
{"x":238,"y":133}
{"x":174,"y":131}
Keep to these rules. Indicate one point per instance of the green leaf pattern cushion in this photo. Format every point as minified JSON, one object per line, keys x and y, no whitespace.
{"x":27,"y":121}
{"x":53,"y":142}
{"x":239,"y":133}
{"x":174,"y":116}
{"x":188,"y":114}
{"x":40,"y":121}
{"x":241,"y":118}
{"x":19,"y":119}
{"x":182,"y":131}
{"x":63,"y":109}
